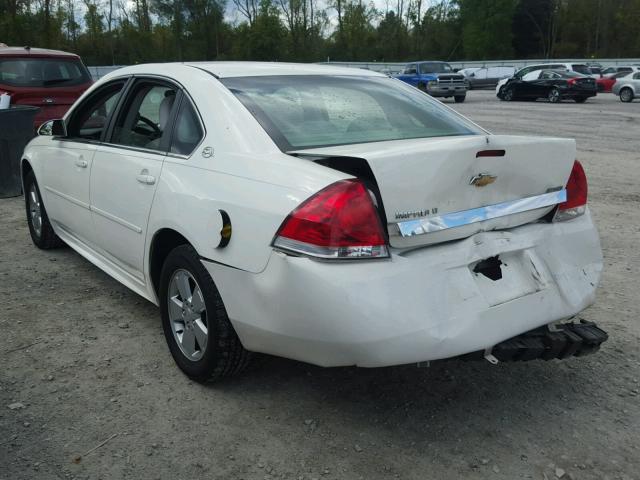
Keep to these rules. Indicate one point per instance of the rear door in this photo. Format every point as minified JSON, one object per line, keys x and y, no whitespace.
{"x":536,"y":84}
{"x":126,"y":170}
{"x":69,"y":162}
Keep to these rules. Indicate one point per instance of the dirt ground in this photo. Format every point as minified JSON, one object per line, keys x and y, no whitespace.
{"x":83,"y":361}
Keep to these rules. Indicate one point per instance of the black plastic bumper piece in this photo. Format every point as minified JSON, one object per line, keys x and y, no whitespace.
{"x":564,"y":341}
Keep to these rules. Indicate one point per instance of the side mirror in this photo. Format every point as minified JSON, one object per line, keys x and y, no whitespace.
{"x":472,"y":74}
{"x":45,"y":129}
{"x":58,"y":128}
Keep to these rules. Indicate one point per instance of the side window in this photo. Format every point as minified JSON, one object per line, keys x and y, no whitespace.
{"x":143,"y":120}
{"x":90,"y":120}
{"x":188,"y":131}
{"x":410,"y":70}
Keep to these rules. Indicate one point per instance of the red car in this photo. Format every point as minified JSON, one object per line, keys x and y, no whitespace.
{"x":605,"y":84}
{"x":48,"y":79}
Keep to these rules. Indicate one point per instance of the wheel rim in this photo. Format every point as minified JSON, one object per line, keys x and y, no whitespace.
{"x":625,"y":95}
{"x":508,"y":94}
{"x":554,"y":95}
{"x":35,"y":210}
{"x":187,"y":315}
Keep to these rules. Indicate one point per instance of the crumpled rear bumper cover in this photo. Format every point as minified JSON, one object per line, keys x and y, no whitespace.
{"x":544,"y":343}
{"x":421,"y":305}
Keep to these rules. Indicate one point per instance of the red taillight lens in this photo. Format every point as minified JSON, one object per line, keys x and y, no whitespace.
{"x":576,"y":203}
{"x":571,"y":81}
{"x":338,"y":222}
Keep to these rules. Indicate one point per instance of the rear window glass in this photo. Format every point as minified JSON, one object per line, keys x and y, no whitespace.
{"x":42,"y":72}
{"x":301,"y":112}
{"x":584,"y":69}
{"x":435,"y":67}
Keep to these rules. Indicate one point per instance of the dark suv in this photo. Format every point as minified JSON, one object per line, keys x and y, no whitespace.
{"x":48,"y":79}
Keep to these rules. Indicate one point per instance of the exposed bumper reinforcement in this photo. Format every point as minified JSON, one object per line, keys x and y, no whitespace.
{"x":563,"y":341}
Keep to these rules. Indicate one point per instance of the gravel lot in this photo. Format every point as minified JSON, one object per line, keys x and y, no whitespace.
{"x":84,"y":361}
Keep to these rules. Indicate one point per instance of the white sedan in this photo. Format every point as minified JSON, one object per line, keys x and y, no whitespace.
{"x":330,"y":215}
{"x":627,"y":87}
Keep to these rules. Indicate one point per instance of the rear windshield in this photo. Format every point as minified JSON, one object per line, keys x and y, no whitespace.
{"x":301,"y":112}
{"x":435,"y":67}
{"x":42,"y":72}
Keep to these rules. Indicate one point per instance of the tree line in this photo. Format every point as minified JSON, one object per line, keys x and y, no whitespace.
{"x":119,"y":32}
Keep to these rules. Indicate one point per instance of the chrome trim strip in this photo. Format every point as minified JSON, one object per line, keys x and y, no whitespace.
{"x":296,"y":247}
{"x":480,"y":214}
{"x":68,"y":198}
{"x":118,"y":220}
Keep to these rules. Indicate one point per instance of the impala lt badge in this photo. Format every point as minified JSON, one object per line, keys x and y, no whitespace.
{"x":482,"y":180}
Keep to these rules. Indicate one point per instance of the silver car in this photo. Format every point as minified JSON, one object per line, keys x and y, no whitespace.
{"x":627,"y":88}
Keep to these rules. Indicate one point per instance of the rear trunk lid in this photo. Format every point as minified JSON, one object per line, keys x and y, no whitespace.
{"x":53,"y":102}
{"x":434,"y":190}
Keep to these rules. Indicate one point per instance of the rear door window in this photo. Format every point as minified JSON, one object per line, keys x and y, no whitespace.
{"x":43,"y":72}
{"x":187,"y":132}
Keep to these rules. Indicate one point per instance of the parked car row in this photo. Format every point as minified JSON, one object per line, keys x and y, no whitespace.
{"x":559,"y":81}
{"x":553,"y":81}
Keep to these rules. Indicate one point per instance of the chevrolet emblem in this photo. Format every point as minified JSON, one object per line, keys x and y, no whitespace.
{"x":482,"y":180}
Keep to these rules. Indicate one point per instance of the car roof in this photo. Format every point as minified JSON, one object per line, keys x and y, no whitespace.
{"x":250,"y":69}
{"x":34,"y":52}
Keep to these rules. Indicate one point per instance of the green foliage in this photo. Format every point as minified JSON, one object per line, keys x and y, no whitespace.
{"x":486,"y":28}
{"x":127,"y":32}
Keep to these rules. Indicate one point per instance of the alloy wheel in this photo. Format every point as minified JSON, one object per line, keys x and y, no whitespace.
{"x":626,"y":95}
{"x":35,"y":210}
{"x":554,"y":95}
{"x":187,"y":315}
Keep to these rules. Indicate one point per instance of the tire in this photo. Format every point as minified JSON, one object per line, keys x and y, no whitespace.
{"x":580,"y":99}
{"x":626,"y":95}
{"x":200,"y":336}
{"x":460,"y":99}
{"x":507,"y":94}
{"x":40,"y":228}
{"x":422,"y":86}
{"x":554,"y":95}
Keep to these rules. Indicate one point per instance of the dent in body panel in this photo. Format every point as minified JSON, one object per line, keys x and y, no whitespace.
{"x":430,"y":296}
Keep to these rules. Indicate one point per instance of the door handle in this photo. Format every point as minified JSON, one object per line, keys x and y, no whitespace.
{"x":81,"y":163}
{"x":146,"y":179}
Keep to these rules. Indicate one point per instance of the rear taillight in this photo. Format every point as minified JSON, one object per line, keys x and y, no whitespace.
{"x":571,"y":81}
{"x":338,"y":222}
{"x":576,"y":203}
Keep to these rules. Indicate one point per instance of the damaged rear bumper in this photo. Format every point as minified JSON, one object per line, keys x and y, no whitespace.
{"x":424,"y":304}
{"x":553,"y":342}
